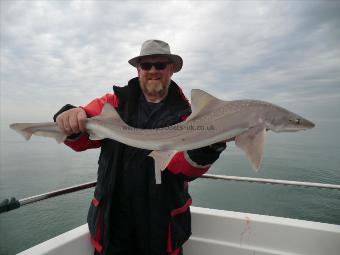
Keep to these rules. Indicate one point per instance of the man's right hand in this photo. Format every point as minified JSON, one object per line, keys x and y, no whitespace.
{"x":72,"y":121}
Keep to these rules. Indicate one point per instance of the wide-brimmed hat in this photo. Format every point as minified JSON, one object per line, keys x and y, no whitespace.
{"x":157,"y":48}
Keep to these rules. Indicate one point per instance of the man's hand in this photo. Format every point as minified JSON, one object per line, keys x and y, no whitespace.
{"x":72,"y":121}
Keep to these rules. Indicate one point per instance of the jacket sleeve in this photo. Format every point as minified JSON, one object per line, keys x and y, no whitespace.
{"x":194,"y":163}
{"x":81,"y":141}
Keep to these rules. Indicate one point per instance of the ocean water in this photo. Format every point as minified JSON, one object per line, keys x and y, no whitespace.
{"x":41,"y":165}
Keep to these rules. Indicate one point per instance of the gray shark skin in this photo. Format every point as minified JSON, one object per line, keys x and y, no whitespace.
{"x":212,"y":120}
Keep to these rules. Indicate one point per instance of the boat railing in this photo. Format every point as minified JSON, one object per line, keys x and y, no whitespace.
{"x":12,"y":203}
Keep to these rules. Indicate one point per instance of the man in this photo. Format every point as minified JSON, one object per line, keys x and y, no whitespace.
{"x":130,"y":213}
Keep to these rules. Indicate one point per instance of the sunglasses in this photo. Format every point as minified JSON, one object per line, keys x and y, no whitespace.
{"x":146,"y":66}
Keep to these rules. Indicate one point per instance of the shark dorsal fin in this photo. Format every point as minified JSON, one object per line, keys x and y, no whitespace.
{"x":199,"y":100}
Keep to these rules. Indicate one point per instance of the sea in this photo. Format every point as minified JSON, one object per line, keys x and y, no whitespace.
{"x":41,"y":165}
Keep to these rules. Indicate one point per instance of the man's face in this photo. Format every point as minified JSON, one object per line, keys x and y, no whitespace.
{"x":155,"y":82}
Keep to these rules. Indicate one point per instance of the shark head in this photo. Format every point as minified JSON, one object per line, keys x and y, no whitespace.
{"x":286,"y":121}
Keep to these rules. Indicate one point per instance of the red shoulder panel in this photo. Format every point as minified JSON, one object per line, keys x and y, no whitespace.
{"x":94,"y":108}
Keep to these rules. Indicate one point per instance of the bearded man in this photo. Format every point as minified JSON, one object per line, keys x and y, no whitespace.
{"x":130,"y":213}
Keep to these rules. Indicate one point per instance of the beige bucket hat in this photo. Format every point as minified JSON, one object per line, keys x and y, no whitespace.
{"x":157,"y":48}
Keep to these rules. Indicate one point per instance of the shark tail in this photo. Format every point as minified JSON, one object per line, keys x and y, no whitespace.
{"x":48,"y":129}
{"x":23,"y":129}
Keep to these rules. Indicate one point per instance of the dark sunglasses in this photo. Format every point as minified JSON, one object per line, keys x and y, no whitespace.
{"x":146,"y":66}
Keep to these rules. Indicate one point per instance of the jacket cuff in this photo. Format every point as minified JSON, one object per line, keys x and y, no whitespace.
{"x":208,"y":154}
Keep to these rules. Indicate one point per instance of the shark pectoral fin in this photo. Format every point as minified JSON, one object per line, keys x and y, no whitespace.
{"x":162,"y":159}
{"x":252,"y":142}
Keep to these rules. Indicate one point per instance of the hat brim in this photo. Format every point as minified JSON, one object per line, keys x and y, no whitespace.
{"x":175,"y":59}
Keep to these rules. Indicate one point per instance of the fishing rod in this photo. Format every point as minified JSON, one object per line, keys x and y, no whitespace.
{"x":272,"y":181}
{"x":12,"y":203}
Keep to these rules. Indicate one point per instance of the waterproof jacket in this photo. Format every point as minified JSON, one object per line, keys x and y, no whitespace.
{"x":126,"y":178}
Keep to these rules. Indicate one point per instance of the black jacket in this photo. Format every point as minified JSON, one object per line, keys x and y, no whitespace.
{"x":128,"y":206}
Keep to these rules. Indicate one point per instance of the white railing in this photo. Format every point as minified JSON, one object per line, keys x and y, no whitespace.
{"x":11,"y":204}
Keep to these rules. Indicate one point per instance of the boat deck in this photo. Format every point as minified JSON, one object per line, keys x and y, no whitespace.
{"x":225,"y":232}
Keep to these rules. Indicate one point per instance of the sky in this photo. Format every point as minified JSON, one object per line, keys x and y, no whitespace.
{"x":59,"y":52}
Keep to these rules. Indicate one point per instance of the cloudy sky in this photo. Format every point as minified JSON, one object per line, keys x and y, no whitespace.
{"x":58,"y":52}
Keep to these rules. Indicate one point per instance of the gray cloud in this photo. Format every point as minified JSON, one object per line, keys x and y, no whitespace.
{"x":57,"y":52}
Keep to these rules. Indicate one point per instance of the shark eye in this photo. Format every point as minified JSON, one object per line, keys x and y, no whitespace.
{"x":295,"y":121}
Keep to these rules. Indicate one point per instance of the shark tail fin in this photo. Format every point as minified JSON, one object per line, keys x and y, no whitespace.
{"x":47,"y":129}
{"x":58,"y":136}
{"x":23,"y":129}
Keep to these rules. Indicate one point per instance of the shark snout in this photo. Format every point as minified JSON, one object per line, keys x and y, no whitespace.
{"x":308,"y":124}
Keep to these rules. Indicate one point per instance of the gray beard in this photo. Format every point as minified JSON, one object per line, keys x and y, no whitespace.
{"x":155,"y":90}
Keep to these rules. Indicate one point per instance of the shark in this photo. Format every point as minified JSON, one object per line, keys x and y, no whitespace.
{"x":212,"y":120}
